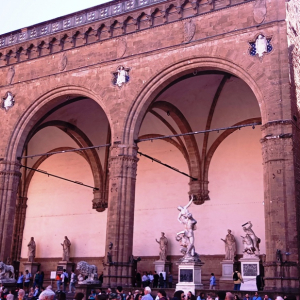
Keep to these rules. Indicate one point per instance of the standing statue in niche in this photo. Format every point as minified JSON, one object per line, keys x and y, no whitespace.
{"x":250,"y":241}
{"x":230,"y":246}
{"x":163,"y":247}
{"x":31,"y":250}
{"x":186,"y":237}
{"x":66,"y":249}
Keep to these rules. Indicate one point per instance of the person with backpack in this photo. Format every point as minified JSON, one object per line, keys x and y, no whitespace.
{"x":64,"y":278}
{"x":237,"y":280}
{"x":121,"y":294}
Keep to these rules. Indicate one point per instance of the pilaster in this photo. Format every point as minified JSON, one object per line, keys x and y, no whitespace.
{"x":280,"y":155}
{"x":120,"y":218}
{"x":9,"y":181}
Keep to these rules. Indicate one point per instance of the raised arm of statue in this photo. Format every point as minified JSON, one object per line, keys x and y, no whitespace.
{"x":184,"y":211}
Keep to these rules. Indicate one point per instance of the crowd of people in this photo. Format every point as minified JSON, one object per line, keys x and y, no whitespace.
{"x":30,"y":287}
{"x":161,"y":294}
{"x":154,"y":280}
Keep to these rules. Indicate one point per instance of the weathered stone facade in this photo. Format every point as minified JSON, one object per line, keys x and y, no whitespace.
{"x":160,"y":43}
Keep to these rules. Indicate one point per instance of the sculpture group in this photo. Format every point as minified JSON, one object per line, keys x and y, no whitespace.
{"x":187,"y":240}
{"x":186,"y":236}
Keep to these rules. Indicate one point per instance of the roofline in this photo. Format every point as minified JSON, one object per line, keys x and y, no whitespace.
{"x":87,"y":16}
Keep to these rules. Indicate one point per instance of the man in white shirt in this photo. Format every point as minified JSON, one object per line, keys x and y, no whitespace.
{"x":72,"y":282}
{"x":64,"y":278}
{"x":147,"y":292}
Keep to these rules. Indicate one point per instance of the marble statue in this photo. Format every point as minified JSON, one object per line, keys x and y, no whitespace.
{"x":87,"y":270}
{"x":186,"y":237}
{"x":261,"y":45}
{"x":31,"y":250}
{"x":250,"y":241}
{"x":230,"y":246}
{"x":66,"y":249}
{"x":163,"y":247}
{"x":7,"y":273}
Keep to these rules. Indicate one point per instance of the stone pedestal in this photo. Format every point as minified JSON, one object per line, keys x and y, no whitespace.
{"x":69,"y":266}
{"x":32,"y":267}
{"x":227,"y":270}
{"x":162,"y":266}
{"x":249,"y":271}
{"x":189,"y":277}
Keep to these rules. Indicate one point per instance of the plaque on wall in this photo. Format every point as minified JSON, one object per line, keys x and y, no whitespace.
{"x":186,"y":275}
{"x":250,"y":269}
{"x":59,"y":270}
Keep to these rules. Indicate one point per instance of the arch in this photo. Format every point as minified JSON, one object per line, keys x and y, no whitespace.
{"x":159,"y":81}
{"x":220,"y":139}
{"x":40,"y":161}
{"x":190,"y":141}
{"x":172,"y":142}
{"x":82,"y":141}
{"x":38,"y":109}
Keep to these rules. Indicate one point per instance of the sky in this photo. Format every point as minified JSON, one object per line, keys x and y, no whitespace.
{"x":17,"y":14}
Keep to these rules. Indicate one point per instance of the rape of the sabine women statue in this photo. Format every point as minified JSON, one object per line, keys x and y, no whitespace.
{"x":230,"y":246}
{"x":250,"y":241}
{"x":186,"y":237}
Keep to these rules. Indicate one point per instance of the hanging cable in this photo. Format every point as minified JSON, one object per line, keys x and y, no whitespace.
{"x":52,"y":175}
{"x":168,"y":166}
{"x":196,"y":132}
{"x":64,"y":151}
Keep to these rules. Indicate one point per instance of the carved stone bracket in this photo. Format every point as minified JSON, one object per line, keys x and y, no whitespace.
{"x":199,"y":191}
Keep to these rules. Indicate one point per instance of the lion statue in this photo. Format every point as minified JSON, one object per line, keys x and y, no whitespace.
{"x":87,"y":270}
{"x":6,"y":271}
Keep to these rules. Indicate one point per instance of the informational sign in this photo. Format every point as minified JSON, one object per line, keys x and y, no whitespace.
{"x":52,"y":274}
{"x":250,"y":270}
{"x":59,"y":270}
{"x":186,"y":275}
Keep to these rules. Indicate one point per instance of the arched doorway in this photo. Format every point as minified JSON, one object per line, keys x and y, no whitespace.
{"x":227,"y":164}
{"x":62,"y":121}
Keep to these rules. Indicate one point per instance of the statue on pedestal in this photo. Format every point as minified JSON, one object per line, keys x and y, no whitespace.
{"x":163,"y":246}
{"x":186,"y":237}
{"x":66,"y":249}
{"x":250,"y":241}
{"x":31,"y":250}
{"x":230,"y":246}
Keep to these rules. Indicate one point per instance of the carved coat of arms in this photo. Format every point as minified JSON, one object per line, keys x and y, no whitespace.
{"x":121,"y":76}
{"x":260,"y":46}
{"x":8,"y":101}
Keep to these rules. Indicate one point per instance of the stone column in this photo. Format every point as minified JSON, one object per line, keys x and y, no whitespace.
{"x":21,"y":207}
{"x":281,"y":176}
{"x":120,"y":215}
{"x":9,"y":181}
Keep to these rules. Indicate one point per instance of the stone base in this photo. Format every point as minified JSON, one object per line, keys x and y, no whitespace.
{"x":10,"y":281}
{"x":227,"y":270}
{"x":249,"y":271}
{"x":69,"y":266}
{"x":32,"y":267}
{"x":189,"y":275}
{"x":162,"y":266}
